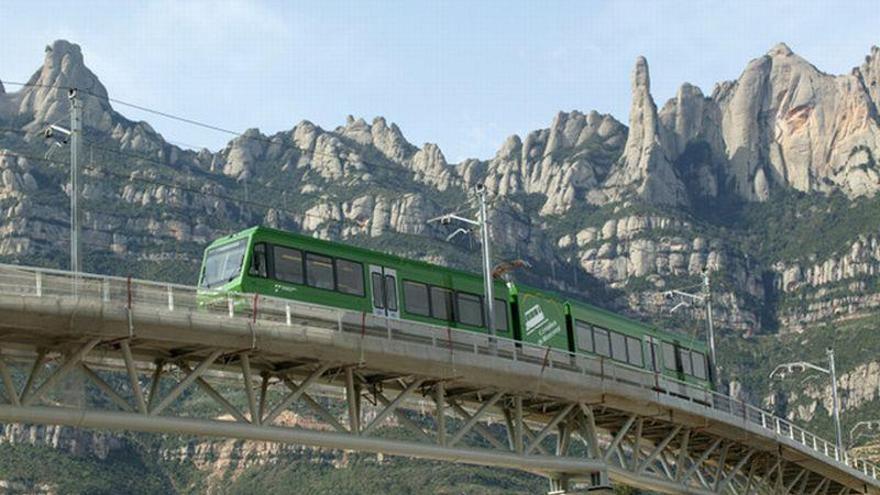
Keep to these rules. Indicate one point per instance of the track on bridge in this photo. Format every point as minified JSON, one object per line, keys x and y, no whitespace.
{"x":459,"y":396}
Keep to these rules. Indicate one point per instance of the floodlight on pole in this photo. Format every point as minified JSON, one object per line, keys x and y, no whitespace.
{"x":861,"y":427}
{"x":783,"y":370}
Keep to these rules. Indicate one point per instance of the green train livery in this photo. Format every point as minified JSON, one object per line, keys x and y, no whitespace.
{"x":274,"y":263}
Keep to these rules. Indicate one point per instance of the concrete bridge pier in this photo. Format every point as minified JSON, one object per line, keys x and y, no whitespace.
{"x":598,"y":485}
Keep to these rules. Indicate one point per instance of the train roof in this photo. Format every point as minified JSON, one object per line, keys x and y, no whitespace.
{"x":351,"y":248}
{"x":613,"y":319}
{"x":609,"y":316}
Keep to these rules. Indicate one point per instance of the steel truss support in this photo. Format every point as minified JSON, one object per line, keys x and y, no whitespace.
{"x":569,"y":442}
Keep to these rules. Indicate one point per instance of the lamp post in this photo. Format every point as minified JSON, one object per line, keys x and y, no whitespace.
{"x":871,"y":426}
{"x":801,"y":366}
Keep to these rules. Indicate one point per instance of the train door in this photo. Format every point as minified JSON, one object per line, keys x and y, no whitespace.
{"x":383,"y":286}
{"x":654,"y":361}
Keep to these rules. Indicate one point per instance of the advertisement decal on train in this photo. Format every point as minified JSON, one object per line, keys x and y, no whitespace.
{"x":543,"y":320}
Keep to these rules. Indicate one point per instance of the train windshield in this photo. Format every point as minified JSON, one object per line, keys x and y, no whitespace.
{"x":223,"y":263}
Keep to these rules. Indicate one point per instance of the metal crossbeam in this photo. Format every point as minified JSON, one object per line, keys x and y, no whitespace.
{"x":478,"y":428}
{"x":106,"y":388}
{"x":471,"y":420}
{"x":295,"y":393}
{"x":69,"y":365}
{"x":185,"y":383}
{"x":133,"y":377}
{"x":549,"y":427}
{"x":615,"y":443}
{"x":696,"y":465}
{"x":404,"y":419}
{"x":736,"y":469}
{"x":8,"y":384}
{"x":391,"y":407}
{"x":247,"y":376}
{"x":658,"y":449}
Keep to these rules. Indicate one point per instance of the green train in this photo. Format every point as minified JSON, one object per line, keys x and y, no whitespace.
{"x":281,"y":264}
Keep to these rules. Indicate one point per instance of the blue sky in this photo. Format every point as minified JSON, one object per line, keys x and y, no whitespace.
{"x":463,"y":74}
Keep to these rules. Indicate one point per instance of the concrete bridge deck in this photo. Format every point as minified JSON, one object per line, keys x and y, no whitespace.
{"x":580,"y":420}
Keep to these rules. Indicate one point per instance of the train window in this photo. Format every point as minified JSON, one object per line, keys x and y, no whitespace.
{"x":584,"y":335}
{"x":441,"y":303}
{"x":603,"y":343}
{"x":470,"y":309}
{"x":319,"y":271}
{"x":699,"y":362}
{"x":415,"y":298}
{"x":669,"y":360}
{"x":634,"y":351}
{"x":391,"y":292}
{"x":686,"y":366}
{"x":500,"y":320}
{"x":378,"y":293}
{"x":258,"y":261}
{"x":223,"y":263}
{"x":288,"y":264}
{"x":349,"y":277}
{"x":618,"y":346}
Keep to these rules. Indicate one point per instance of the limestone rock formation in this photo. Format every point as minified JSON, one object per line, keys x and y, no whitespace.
{"x":691,"y":135}
{"x":45,"y":98}
{"x":787,"y":124}
{"x":869,"y":76}
{"x":644,"y":169}
{"x":561,"y":163}
{"x":430,"y":167}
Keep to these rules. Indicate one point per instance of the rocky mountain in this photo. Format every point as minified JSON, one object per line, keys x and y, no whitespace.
{"x":769,"y":183}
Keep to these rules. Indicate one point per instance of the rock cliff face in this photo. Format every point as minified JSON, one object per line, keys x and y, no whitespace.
{"x":785,"y":123}
{"x":644,"y":169}
{"x":616,"y":214}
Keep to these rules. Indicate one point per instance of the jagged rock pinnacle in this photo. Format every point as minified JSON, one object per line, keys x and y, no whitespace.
{"x":781,"y":50}
{"x":63,"y":68}
{"x":643,"y":168}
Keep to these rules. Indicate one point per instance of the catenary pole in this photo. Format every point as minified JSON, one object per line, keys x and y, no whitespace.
{"x":707,"y":294}
{"x":487,"y":264}
{"x":835,"y":400}
{"x":481,"y":222}
{"x":75,"y":143}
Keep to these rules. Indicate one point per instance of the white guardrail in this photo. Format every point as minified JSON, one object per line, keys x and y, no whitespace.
{"x":133,"y":293}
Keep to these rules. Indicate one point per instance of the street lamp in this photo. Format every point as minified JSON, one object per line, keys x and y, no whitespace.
{"x":705,"y":298}
{"x":869,"y":426}
{"x":802,"y":366}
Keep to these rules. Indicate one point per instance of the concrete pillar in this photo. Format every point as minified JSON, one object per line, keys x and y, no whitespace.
{"x":584,"y":491}
{"x":562,"y":485}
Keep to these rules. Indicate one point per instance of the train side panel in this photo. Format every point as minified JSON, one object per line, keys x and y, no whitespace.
{"x":541,"y":318}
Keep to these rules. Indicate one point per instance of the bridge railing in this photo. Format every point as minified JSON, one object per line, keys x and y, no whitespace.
{"x":138,"y":294}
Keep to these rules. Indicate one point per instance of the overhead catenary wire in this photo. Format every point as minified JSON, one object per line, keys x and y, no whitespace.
{"x":193,"y":190}
{"x":269,"y":140}
{"x":449,"y":175}
{"x":494,"y":200}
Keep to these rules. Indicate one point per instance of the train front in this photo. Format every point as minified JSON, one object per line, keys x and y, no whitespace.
{"x":222,"y":269}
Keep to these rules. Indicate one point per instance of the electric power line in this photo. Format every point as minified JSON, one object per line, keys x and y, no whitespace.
{"x":212,"y":127}
{"x":193,"y":190}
